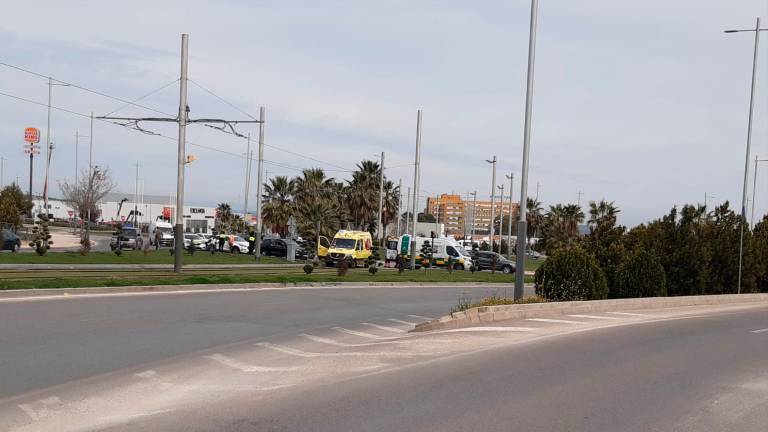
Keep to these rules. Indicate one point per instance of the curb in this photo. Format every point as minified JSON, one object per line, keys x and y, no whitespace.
{"x":490,"y":314}
{"x":43,"y":292}
{"x":141,"y":266}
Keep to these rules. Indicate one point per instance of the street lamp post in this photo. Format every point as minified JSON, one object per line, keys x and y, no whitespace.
{"x":522,"y":226}
{"x":757,"y":31}
{"x":511,"y":179}
{"x":493,"y":196}
{"x":501,"y":217}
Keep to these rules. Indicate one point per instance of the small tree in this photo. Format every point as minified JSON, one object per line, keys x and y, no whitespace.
{"x":308,"y":268}
{"x":450,"y":263}
{"x":12,"y":206}
{"x":41,"y":235}
{"x":371,"y":262}
{"x":83,"y":196}
{"x":475,"y":257}
{"x":640,"y":275}
{"x":426,"y":254}
{"x":571,"y":274}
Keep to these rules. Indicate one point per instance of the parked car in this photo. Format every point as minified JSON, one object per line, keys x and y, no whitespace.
{"x":239,"y":245}
{"x":485,"y":261}
{"x":194,"y":239}
{"x":279,"y":248}
{"x":130,"y":238}
{"x":11,"y":241}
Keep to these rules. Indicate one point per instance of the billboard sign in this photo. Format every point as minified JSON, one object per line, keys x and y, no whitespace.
{"x":32,"y":135}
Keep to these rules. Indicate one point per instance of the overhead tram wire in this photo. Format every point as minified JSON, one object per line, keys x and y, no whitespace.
{"x":127,"y":102}
{"x":143,"y":97}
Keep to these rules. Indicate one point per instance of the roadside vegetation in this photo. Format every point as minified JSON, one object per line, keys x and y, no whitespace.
{"x":162,"y":256}
{"x":691,"y":251}
{"x":466,"y":303}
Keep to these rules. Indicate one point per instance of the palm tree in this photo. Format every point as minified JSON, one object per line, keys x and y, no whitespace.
{"x":363,"y":197}
{"x":391,"y":203}
{"x":224,"y":216}
{"x":602,"y":214}
{"x":278,"y":203}
{"x":315,"y":203}
{"x":534,"y":216}
{"x":573,"y":216}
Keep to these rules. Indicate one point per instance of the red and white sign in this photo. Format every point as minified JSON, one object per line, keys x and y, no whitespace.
{"x":70,"y":213}
{"x":32,"y":135}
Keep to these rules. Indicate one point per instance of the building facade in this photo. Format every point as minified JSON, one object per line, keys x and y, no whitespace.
{"x":460,"y":215}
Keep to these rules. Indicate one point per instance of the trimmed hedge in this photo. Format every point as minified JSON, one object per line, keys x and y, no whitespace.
{"x":571,"y":274}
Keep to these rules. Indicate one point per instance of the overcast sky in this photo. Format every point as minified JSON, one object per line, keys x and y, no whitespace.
{"x":639,"y":102}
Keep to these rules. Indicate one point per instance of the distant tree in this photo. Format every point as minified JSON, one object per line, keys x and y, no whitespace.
{"x":85,"y":194}
{"x":278,"y":203}
{"x":640,"y":275}
{"x":426,"y":218}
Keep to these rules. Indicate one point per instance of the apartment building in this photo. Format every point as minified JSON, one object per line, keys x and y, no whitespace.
{"x":457,"y":212}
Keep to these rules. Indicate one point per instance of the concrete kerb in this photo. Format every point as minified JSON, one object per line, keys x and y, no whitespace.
{"x":489,"y":314}
{"x":43,"y":292}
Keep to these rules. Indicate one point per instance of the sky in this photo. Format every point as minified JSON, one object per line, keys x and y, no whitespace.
{"x":640,"y":103}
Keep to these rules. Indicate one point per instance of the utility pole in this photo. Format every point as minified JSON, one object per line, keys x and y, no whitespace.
{"x":379,"y":227}
{"x":511,"y":179}
{"x":48,"y":147}
{"x":2,"y":172}
{"x":493,"y":201}
{"x":77,"y":152}
{"x":136,"y":197}
{"x":416,"y":187}
{"x":249,"y":158}
{"x":262,"y":120}
{"x":474,"y":214}
{"x":538,"y":186}
{"x":757,"y":31}
{"x":408,"y":211}
{"x":182,"y":119}
{"x":399,"y":204}
{"x":522,"y":227}
{"x":501,"y":217}
{"x":578,"y":201}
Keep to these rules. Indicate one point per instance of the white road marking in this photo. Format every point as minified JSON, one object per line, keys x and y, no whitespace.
{"x":402,"y":322}
{"x":385,"y":328}
{"x":43,"y":408}
{"x":361,"y":334}
{"x":299,"y":353}
{"x":628,"y":314}
{"x":486,"y":329}
{"x":343,"y":344}
{"x":554,"y":321}
{"x":760,"y":331}
{"x":236,"y":364}
{"x":421,"y":317}
{"x":594,"y":317}
{"x":147,"y":374}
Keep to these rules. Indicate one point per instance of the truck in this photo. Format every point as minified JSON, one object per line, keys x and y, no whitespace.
{"x":443,"y":248}
{"x":164,"y":229}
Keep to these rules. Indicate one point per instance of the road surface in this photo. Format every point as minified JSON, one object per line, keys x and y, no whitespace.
{"x":342,"y":360}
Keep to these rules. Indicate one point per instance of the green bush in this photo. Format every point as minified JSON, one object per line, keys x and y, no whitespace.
{"x":571,"y":274}
{"x":308,"y":268}
{"x":640,"y":275}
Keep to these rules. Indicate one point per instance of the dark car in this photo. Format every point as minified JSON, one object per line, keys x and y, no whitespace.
{"x":130,"y":238}
{"x":278,"y":248}
{"x":11,"y":241}
{"x":485,"y":261}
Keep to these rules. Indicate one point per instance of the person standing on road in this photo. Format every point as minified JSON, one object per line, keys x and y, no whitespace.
{"x":157,"y":239}
{"x":251,"y":242}
{"x":222,"y":240}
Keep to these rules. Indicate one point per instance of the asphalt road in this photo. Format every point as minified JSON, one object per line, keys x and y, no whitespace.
{"x":48,"y":342}
{"x":699,"y":374}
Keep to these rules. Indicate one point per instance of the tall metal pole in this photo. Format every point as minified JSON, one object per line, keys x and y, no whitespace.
{"x":136,"y":197}
{"x":259,"y":185}
{"x":379,"y":228}
{"x":399,"y":204}
{"x":416,"y":187}
{"x":181,"y":156}
{"x":2,"y":172}
{"x":493,"y":201}
{"x":501,"y":216}
{"x":509,"y":221}
{"x":474,"y":215}
{"x":408,"y":211}
{"x":77,"y":152}
{"x":578,"y":200}
{"x":48,"y":147}
{"x":749,"y":145}
{"x":90,"y":177}
{"x":754,"y":188}
{"x":522,"y":226}
{"x":248,"y":157}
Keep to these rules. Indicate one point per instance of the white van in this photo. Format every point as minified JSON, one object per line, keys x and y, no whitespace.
{"x":442,"y":249}
{"x":165,"y":229}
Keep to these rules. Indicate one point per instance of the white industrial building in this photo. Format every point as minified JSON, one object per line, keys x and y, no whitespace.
{"x":197,"y":219}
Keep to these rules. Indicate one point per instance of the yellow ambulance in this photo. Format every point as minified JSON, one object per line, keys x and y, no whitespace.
{"x":352,"y":246}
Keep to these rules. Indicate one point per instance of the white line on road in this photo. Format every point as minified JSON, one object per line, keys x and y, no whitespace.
{"x":385,"y":328}
{"x":594,"y":317}
{"x":421,"y":317}
{"x":487,"y":329}
{"x":628,"y":314}
{"x":402,"y":322}
{"x":236,"y":364}
{"x":554,"y":321}
{"x":760,"y":331}
{"x":43,"y":408}
{"x":344,"y":344}
{"x":299,"y":353}
{"x":361,"y":334}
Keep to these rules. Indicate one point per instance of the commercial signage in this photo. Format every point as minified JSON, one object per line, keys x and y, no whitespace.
{"x":196,"y":210}
{"x":405,"y":247}
{"x":32,"y":135}
{"x":167,"y":213}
